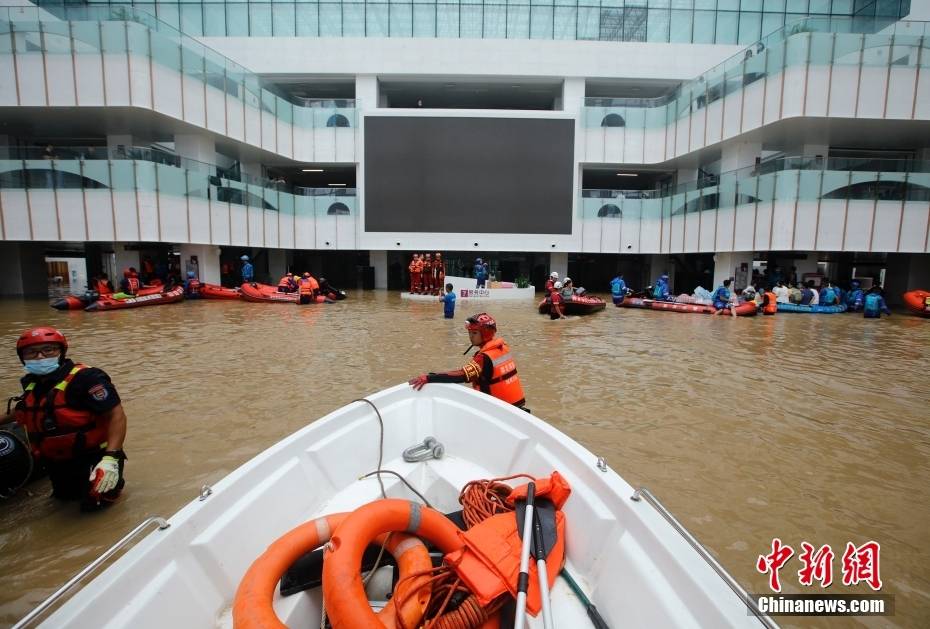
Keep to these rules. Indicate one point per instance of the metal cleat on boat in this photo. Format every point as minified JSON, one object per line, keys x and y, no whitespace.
{"x":429,"y":449}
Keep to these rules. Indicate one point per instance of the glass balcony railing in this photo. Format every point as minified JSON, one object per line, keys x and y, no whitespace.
{"x":814,"y":41}
{"x":139,"y":169}
{"x":782,"y":179}
{"x":102,"y":30}
{"x":675,"y":21}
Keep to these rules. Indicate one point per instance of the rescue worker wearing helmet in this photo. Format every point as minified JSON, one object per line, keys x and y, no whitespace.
{"x":309,"y":289}
{"x":553,"y":278}
{"x":491,"y":370}
{"x":74,"y":419}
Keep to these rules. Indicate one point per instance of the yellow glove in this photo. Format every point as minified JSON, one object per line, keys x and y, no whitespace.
{"x":105,"y":475}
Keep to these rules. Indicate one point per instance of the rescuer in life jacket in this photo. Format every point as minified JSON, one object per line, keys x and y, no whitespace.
{"x":130,"y":283}
{"x":309,"y":289}
{"x":491,"y":370}
{"x":287,"y":284}
{"x":553,"y":278}
{"x":192,"y":286}
{"x":74,"y":419}
{"x":102,"y":285}
{"x":875,"y":304}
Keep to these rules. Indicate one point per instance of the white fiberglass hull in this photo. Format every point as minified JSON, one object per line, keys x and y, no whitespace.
{"x":633,"y":565}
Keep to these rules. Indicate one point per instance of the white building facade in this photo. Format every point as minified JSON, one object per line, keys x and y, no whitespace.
{"x":688,"y":136}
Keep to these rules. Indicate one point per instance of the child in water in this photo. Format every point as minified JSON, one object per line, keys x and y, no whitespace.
{"x":448,"y":301}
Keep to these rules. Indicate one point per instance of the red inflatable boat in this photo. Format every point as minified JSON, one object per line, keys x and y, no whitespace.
{"x":577,"y":305}
{"x":150,"y":299}
{"x":918,"y":302}
{"x":80,"y":302}
{"x":215,"y":291}
{"x":743,"y":310}
{"x":263,"y":293}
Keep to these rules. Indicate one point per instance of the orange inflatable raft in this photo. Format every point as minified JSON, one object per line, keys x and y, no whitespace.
{"x":577,"y":305}
{"x":153,"y":299}
{"x":743,"y":310}
{"x":918,"y":302}
{"x":215,"y":291}
{"x":263,"y":293}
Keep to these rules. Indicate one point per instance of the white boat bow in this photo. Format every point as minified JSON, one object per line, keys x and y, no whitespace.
{"x":630,"y":560}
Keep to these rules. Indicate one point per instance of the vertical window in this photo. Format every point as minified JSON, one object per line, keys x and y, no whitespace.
{"x":704,"y":22}
{"x":727,"y":25}
{"x":657,"y":25}
{"x":750,"y":25}
{"x":680,"y":26}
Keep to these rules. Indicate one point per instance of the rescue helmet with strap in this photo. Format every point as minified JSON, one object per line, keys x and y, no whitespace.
{"x":41,"y":336}
{"x":484,"y":323}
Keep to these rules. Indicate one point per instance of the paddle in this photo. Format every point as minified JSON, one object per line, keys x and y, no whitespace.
{"x":593,"y":614}
{"x":523,"y":580}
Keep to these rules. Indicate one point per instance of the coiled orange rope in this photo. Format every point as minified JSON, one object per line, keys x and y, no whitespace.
{"x":480,"y":499}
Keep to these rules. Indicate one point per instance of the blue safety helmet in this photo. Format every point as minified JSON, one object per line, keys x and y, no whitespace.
{"x":244,"y":258}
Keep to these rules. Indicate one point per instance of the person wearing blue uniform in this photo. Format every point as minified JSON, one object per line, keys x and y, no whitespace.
{"x":722,"y":298}
{"x":660,"y":291}
{"x":618,"y":289}
{"x":248,"y":273}
{"x":481,"y":272}
{"x":448,"y":302}
{"x":855,"y":298}
{"x":874,"y":304}
{"x":807,"y":295}
{"x":828,"y":296}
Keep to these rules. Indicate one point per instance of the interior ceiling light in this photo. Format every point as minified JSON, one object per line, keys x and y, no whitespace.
{"x":627,"y":175}
{"x":336,"y":184}
{"x":311,"y":170}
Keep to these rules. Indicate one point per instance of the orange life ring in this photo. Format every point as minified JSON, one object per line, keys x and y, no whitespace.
{"x":346,"y":603}
{"x":253,"y":606}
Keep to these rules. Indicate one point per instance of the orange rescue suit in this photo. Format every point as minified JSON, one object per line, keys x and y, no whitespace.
{"x":308,"y":285}
{"x":771,"y":303}
{"x":57,"y":431}
{"x":505,"y":383}
{"x":103,"y":288}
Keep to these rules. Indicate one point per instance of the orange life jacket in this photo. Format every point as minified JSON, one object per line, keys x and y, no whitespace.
{"x":308,"y":285}
{"x":133,"y":285}
{"x":103,"y":288}
{"x":771,"y":306}
{"x":418,"y":266}
{"x":505,"y":383}
{"x":57,"y":431}
{"x":412,"y":267}
{"x":490,"y":561}
{"x":286,"y":282}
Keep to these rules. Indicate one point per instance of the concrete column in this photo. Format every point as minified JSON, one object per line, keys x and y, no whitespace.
{"x":277,"y":264}
{"x":115,"y":141}
{"x":737,"y":265}
{"x":572,"y":98}
{"x":737,"y":155}
{"x":558,"y":262}
{"x":25,"y":273}
{"x":366,"y":92}
{"x":122,"y":260}
{"x":378,"y":259}
{"x":686,"y":175}
{"x":203,"y":260}
{"x":660,"y":264}
{"x":253,"y":169}
{"x":196,"y":146}
{"x":906,"y":271}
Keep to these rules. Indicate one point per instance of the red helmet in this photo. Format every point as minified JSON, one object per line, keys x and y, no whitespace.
{"x":483,"y":322}
{"x":39,"y":336}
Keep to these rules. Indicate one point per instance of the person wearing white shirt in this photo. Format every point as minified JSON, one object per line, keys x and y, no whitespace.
{"x":815,"y":299}
{"x":781,"y":293}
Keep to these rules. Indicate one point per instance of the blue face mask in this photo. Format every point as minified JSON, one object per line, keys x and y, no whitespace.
{"x":41,"y":366}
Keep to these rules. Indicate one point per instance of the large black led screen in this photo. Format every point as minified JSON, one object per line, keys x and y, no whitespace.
{"x":492,"y":175}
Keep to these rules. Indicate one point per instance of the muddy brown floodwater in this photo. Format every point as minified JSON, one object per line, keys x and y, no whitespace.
{"x":805,"y":427}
